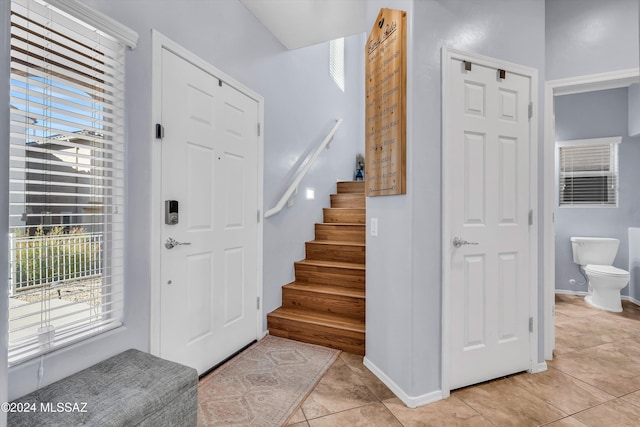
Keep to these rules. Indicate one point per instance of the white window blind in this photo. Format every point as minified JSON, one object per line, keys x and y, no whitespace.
{"x":336,"y":61}
{"x":66,"y":180}
{"x":588,"y":172}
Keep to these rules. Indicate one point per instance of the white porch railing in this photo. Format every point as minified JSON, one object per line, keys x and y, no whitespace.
{"x":41,"y":260}
{"x":292,"y":190}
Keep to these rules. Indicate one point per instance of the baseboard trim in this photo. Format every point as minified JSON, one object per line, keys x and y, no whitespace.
{"x":583,"y":293}
{"x":410,"y":401}
{"x":538,"y":367}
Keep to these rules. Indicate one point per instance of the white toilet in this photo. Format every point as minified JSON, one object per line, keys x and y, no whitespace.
{"x":595,"y":256}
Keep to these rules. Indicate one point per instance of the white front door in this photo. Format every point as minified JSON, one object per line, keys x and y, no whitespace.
{"x":488,"y":203}
{"x":209,"y":167}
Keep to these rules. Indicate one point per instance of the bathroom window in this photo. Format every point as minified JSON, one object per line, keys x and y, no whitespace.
{"x":588,"y":172}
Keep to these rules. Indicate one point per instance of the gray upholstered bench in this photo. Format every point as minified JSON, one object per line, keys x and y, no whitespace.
{"x":130,"y":389}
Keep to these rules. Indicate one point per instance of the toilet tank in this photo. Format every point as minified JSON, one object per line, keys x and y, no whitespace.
{"x":594,"y":250}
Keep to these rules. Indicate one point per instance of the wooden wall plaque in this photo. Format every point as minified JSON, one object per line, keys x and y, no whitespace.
{"x":385,"y":110}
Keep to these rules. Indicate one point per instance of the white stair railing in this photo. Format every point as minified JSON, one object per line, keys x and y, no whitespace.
{"x":292,"y":190}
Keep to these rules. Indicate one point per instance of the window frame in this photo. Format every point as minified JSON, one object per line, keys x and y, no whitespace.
{"x":73,"y":11}
{"x":608,"y":143}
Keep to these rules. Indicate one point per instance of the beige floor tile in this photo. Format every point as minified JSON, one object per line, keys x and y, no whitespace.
{"x":605,"y":375}
{"x":297,"y":417}
{"x":586,"y":332}
{"x":576,"y":310}
{"x":504,"y":403}
{"x":300,"y":424}
{"x":616,"y":413}
{"x":340,"y":389}
{"x":623,"y":354}
{"x":566,"y":422}
{"x":561,"y":390}
{"x":451,"y":412}
{"x":372,"y":415}
{"x":354,"y":361}
{"x":560,"y":318}
{"x":633,"y":398}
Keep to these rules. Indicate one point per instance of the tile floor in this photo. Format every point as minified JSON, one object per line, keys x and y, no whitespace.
{"x":594,"y":380}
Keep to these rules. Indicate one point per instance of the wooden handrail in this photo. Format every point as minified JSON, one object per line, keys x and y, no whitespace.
{"x":287,"y":197}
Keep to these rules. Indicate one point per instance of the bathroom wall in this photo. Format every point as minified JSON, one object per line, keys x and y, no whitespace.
{"x":594,"y":115}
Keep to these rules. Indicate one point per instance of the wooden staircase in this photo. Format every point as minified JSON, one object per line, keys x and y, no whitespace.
{"x":325,"y":304}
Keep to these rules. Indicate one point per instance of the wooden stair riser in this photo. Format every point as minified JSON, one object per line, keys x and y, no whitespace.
{"x":350,"y":187}
{"x":355,"y":216}
{"x":349,"y":341}
{"x":348,"y":201}
{"x":341,"y":232}
{"x":334,"y":276}
{"x":336,"y":252}
{"x":341,"y":305}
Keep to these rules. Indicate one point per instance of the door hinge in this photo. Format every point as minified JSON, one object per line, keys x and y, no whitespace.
{"x":530,"y":216}
{"x":258,"y":216}
{"x":257,"y":303}
{"x":531,"y":324}
{"x":530,"y":109}
{"x":159,"y":131}
{"x":259,"y":129}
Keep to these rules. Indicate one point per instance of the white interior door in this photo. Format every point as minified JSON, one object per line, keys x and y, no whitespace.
{"x":488,"y":203}
{"x":209,"y":166}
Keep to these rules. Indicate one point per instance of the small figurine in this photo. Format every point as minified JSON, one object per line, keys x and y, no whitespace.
{"x":359,"y":175}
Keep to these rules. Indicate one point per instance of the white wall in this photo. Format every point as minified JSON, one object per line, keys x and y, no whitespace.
{"x":404,"y":261}
{"x":301,"y":104}
{"x":591,"y":36}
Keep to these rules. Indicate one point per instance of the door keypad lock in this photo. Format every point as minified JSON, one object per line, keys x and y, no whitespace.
{"x":171,"y":212}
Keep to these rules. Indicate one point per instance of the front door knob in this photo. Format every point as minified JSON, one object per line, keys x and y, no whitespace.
{"x":172,"y":243}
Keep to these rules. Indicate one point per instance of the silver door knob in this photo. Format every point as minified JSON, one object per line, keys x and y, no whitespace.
{"x":457,"y":242}
{"x":172,"y":243}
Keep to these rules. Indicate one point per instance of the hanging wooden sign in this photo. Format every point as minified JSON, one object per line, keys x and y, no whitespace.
{"x":385,"y":110}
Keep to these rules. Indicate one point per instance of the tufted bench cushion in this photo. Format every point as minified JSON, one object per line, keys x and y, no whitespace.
{"x":132,"y":388}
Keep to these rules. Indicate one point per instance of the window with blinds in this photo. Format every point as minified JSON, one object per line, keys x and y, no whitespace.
{"x":66,"y":180}
{"x":588,"y":172}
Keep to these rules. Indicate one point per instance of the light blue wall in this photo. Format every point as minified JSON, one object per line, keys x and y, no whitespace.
{"x":404,"y":292}
{"x":595,"y":115}
{"x":301,"y":104}
{"x":634,"y":109}
{"x":591,"y":36}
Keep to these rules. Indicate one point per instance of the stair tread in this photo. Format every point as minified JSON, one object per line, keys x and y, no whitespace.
{"x":348,"y":209}
{"x":319,"y":318}
{"x":335,"y":264}
{"x":327,"y":289}
{"x":351,"y":224}
{"x":337,"y":242}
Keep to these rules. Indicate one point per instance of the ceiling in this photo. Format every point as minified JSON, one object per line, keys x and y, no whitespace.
{"x":301,"y":23}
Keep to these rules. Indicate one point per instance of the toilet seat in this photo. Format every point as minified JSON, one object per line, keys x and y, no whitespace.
{"x":606,"y":270}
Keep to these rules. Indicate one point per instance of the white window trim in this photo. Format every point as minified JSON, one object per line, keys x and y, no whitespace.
{"x":98,"y":20}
